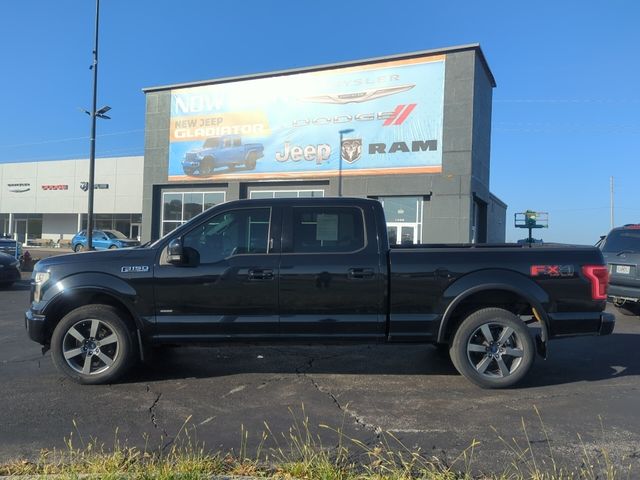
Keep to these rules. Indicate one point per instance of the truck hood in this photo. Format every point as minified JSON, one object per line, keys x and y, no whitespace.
{"x":91,"y":259}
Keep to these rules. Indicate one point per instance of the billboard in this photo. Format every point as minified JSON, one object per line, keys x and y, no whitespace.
{"x":374,"y":119}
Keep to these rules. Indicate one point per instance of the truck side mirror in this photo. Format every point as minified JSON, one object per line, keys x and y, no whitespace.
{"x":175,"y":252}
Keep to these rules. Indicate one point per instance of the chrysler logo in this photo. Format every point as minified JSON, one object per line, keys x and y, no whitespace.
{"x":357,"y":97}
{"x":19,"y":187}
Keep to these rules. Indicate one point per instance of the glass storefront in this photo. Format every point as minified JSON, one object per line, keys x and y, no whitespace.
{"x":404,"y":219}
{"x":126,"y":223}
{"x":285,"y":193}
{"x":180,"y":207}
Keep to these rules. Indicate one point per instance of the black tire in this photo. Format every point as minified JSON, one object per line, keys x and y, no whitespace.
{"x":79,"y":323}
{"x":499,"y":361}
{"x":78,"y":248}
{"x":250,"y":162}
{"x":207,"y":165}
{"x":5,"y":285}
{"x":628,"y":309}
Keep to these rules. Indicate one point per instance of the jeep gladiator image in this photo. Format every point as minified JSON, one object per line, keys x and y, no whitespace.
{"x":226,"y":151}
{"x":314,"y":270}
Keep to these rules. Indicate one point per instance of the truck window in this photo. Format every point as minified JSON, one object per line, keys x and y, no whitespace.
{"x":237,"y":142}
{"x":327,"y":229}
{"x":244,"y":231}
{"x":212,"y":143}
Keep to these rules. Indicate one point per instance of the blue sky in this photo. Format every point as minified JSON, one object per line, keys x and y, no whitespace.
{"x":566,"y":113}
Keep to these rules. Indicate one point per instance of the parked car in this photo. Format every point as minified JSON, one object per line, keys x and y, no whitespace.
{"x":621,"y":250}
{"x":10,"y":246}
{"x":314,"y":270}
{"x":102,"y":240}
{"x":226,"y":151}
{"x":9,"y":270}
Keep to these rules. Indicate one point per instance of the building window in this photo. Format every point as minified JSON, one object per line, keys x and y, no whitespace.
{"x":126,"y":223}
{"x":285,"y":193}
{"x":180,"y":207}
{"x":404,"y":219}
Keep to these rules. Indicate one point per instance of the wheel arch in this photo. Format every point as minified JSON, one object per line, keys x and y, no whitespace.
{"x":501,"y":289}
{"x":68,"y":301}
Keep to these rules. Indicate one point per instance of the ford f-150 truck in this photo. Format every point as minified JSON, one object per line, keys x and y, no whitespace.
{"x":314,"y":270}
{"x":226,"y":151}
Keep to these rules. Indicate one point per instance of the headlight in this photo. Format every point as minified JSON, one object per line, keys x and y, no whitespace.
{"x":39,"y":279}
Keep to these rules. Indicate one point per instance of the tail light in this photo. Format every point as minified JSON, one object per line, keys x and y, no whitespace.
{"x":598,"y":275}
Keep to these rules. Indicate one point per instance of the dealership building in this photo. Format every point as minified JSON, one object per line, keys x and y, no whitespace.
{"x":411,"y":130}
{"x":45,"y":202}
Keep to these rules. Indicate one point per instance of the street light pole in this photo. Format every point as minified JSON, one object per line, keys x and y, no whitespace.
{"x":92,"y":151}
{"x":342,"y":132}
{"x":94,"y":114}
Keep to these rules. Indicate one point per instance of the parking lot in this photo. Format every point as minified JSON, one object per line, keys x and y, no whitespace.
{"x":587,"y":394}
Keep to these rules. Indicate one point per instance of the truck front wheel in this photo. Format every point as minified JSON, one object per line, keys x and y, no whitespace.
{"x":92,"y":345}
{"x":493,"y":348}
{"x":251,"y":160}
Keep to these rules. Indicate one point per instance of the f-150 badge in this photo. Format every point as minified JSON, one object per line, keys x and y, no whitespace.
{"x":135,"y":269}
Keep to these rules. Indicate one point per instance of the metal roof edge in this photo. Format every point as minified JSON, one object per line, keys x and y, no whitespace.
{"x":495,"y":199}
{"x":315,"y":68}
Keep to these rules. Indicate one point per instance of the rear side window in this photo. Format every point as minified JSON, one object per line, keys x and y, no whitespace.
{"x":327,"y":229}
{"x":622,"y":240}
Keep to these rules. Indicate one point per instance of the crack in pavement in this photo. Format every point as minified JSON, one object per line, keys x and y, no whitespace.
{"x":154,"y":420}
{"x":303,"y":372}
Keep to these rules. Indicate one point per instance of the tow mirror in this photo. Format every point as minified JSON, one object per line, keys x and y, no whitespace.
{"x":175,"y":252}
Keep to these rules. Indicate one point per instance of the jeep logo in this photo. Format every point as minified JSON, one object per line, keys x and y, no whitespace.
{"x":318,"y":153}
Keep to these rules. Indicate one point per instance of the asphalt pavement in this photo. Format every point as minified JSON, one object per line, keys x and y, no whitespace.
{"x":583,"y":398}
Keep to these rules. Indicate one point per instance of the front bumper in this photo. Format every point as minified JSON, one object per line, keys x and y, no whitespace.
{"x":35,"y":325}
{"x":566,"y":324}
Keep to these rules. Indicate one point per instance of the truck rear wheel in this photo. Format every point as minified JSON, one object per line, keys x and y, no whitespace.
{"x":493,"y":348}
{"x":92,"y":345}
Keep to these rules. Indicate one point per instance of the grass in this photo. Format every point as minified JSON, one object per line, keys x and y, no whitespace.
{"x":300,"y":454}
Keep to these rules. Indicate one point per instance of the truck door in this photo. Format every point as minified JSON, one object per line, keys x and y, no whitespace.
{"x":330,"y":274}
{"x":228,"y":289}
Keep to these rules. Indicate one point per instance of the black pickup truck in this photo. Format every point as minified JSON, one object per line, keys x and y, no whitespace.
{"x":314,"y":270}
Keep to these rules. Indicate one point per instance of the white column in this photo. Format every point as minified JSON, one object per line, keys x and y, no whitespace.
{"x":79,"y":222}
{"x":10,"y":232}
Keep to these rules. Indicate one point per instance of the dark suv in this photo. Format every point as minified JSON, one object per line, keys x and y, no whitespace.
{"x":621,"y":250}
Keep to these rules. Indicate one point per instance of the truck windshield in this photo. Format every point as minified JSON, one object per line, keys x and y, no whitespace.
{"x":622,"y":240}
{"x":211,"y":143}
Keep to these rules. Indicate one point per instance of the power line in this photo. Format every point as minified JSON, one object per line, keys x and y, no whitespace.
{"x":70,"y":139}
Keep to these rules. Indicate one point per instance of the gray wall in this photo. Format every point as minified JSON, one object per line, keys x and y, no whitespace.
{"x":447,"y":209}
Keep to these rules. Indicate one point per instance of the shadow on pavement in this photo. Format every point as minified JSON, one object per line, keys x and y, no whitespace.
{"x":570,"y":360}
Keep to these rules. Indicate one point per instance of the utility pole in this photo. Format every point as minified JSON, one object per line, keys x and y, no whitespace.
{"x":611,"y":200}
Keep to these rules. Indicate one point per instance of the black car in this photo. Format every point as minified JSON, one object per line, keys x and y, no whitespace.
{"x":621,"y":250}
{"x":9,"y":272}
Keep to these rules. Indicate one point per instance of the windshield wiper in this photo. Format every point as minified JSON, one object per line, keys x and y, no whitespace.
{"x":625,"y":251}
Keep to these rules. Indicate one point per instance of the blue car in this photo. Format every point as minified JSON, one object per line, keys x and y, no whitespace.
{"x":102,"y":240}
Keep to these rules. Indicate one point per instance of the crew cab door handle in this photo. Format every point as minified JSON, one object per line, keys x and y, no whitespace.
{"x":260,"y":274}
{"x":360,"y":273}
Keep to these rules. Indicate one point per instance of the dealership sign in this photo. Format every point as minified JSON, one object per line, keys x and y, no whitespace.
{"x":390,"y":114}
{"x":84,"y":186}
{"x":19,"y":187}
{"x":55,"y":187}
